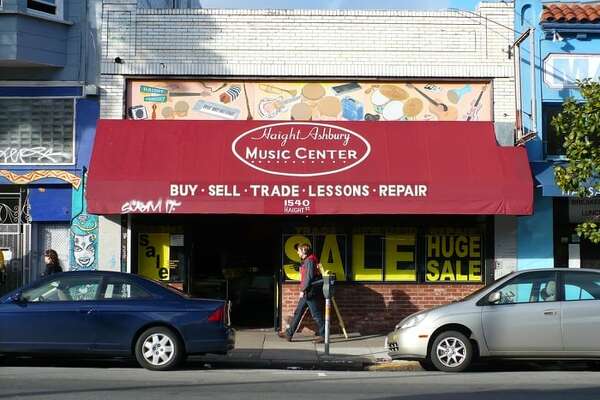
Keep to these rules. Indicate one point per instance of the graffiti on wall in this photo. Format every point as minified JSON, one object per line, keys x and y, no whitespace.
{"x":84,"y":235}
{"x":317,"y":101}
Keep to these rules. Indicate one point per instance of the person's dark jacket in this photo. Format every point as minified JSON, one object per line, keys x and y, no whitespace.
{"x":309,"y":274}
{"x":52,"y":269}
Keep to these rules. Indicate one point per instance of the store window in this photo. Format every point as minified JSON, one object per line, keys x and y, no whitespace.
{"x":51,"y":7}
{"x":453,"y":257}
{"x":36,"y":131}
{"x":161,"y":257}
{"x":441,"y":255}
{"x":169,"y":4}
{"x":553,"y":143}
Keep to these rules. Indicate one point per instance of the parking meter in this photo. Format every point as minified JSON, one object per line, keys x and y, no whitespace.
{"x":328,"y":285}
{"x":328,"y":289}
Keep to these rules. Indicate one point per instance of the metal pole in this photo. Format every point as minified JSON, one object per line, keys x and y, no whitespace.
{"x":532,"y":77}
{"x":327,"y":320}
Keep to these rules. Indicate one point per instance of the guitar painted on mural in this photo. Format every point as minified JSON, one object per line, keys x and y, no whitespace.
{"x":476,"y":105}
{"x":270,"y":108}
{"x":442,"y":111}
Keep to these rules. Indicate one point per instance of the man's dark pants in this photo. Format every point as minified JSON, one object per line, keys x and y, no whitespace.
{"x":315,"y":310}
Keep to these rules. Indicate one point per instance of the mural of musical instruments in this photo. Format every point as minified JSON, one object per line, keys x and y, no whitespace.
{"x":316,"y":101}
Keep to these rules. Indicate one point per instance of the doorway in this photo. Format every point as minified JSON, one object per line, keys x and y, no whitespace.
{"x":238,"y":258}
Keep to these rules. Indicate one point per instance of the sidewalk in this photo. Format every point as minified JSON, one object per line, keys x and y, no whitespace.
{"x":264,"y":349}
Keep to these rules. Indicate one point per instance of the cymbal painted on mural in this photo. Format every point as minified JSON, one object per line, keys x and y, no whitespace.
{"x":393,"y":92}
{"x":167,"y":112}
{"x":329,"y":106}
{"x":413,"y":107}
{"x":181,"y":108}
{"x":301,"y":112}
{"x":313,"y":91}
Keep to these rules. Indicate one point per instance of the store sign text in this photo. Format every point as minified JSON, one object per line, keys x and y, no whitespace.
{"x":397,"y":256}
{"x":301,"y":149}
{"x":454,"y":258}
{"x":563,"y":70}
{"x":154,"y":254}
{"x":390,"y":257}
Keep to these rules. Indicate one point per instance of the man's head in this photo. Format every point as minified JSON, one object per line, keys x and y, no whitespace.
{"x":304,"y":250}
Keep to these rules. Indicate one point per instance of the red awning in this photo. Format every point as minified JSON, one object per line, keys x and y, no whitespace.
{"x":252,"y":167}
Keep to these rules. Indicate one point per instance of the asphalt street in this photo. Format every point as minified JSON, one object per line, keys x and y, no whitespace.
{"x":64,"y":380}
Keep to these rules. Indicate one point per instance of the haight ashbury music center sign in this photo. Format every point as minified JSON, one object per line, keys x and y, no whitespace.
{"x":309,"y":101}
{"x":301,"y":149}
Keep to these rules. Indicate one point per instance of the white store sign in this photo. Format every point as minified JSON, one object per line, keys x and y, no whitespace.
{"x":562,"y":70}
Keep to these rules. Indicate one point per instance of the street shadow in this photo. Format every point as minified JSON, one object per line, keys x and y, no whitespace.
{"x":502,"y":394}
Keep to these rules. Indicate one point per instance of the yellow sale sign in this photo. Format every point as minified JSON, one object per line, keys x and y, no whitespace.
{"x":153,"y":255}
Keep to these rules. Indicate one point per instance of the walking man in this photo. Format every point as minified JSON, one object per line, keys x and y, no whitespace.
{"x":310,"y":294}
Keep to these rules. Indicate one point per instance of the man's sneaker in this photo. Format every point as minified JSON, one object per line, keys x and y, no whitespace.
{"x":284,"y":335}
{"x":319,"y":339}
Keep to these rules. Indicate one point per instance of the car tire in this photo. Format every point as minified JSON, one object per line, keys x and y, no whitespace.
{"x":451,"y":352}
{"x":159,"y":349}
{"x":427,"y":365}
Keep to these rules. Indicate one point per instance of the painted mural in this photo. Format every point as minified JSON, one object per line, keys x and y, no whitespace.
{"x":303,"y":101}
{"x":39,"y":174}
{"x":84,"y":234}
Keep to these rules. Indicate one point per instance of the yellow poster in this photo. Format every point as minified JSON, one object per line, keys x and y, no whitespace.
{"x":454,"y":258}
{"x":153,"y":255}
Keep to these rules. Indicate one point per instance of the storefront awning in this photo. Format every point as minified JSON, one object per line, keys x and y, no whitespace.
{"x":253,"y":167}
{"x":544,"y":176}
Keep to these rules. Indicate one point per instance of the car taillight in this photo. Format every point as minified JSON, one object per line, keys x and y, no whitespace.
{"x":217,"y":315}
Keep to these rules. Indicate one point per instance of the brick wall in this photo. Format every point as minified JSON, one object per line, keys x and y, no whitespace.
{"x":374,"y":307}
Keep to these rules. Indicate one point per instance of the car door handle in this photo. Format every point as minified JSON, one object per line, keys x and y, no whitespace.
{"x":550,"y":312}
{"x":87,"y":311}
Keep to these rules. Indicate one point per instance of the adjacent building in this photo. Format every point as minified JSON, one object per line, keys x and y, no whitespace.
{"x":48,"y":112}
{"x":562,"y":43}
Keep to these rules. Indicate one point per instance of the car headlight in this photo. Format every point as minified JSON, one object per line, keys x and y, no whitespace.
{"x":410,"y":322}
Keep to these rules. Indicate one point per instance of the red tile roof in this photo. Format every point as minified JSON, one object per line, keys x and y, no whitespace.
{"x":571,"y":12}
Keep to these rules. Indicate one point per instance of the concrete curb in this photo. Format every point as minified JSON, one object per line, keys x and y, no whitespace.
{"x":396,"y":365}
{"x":326,"y":365}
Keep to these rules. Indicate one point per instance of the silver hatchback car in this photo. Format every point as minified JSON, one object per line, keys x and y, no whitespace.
{"x":549,"y":313}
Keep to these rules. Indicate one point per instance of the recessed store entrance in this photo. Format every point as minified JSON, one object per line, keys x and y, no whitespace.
{"x":225,"y":257}
{"x":238,"y":256}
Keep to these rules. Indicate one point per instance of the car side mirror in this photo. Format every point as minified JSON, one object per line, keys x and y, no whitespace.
{"x":494,"y":297}
{"x":16,"y":297}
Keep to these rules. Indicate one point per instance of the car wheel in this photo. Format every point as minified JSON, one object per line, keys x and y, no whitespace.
{"x":159,"y":349}
{"x":451,"y":352}
{"x":427,"y":365}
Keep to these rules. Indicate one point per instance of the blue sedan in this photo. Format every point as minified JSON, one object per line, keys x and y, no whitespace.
{"x":112,"y":314}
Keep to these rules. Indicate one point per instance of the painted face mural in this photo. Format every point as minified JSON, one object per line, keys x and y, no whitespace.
{"x":85,"y":244}
{"x":84,"y":250}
